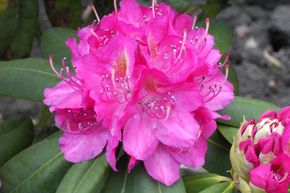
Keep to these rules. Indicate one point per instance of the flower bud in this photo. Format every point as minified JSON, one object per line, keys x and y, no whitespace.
{"x":260,"y":154}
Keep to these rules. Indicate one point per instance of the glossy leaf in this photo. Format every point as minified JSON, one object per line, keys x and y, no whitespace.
{"x":222,"y":34}
{"x":38,"y":168}
{"x":225,"y":187}
{"x":86,"y":177}
{"x":53,"y":43}
{"x":27,"y":28}
{"x":139,"y":181}
{"x":250,"y":108}
{"x":15,"y":135}
{"x":217,"y":157}
{"x":199,"y":182}
{"x":26,"y":78}
{"x":228,"y":132}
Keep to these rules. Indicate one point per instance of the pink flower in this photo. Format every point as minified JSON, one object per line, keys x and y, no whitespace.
{"x":146,"y":77}
{"x":260,"y":154}
{"x":272,"y":177}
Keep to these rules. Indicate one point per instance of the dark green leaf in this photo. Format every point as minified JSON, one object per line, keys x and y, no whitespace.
{"x":53,"y":43}
{"x":222,"y":34}
{"x":228,"y":132}
{"x":38,"y":168}
{"x":217,"y":156}
{"x":15,"y":135}
{"x":64,"y":13}
{"x":225,"y":187}
{"x":179,"y":5}
{"x":213,"y":7}
{"x":250,"y":108}
{"x":233,"y":79}
{"x":26,"y":78}
{"x":199,"y":182}
{"x":8,"y":20}
{"x":86,"y":177}
{"x":138,"y":181}
{"x":26,"y":30}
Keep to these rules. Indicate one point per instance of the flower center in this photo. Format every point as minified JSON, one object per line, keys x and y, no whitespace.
{"x":158,"y":107}
{"x":80,"y":120}
{"x":115,"y":89}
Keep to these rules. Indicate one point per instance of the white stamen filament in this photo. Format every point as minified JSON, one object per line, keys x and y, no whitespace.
{"x":153,"y":8}
{"x":95,"y":11}
{"x":115,"y":6}
{"x":182,"y":45}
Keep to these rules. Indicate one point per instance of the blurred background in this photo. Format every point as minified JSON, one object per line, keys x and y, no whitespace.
{"x":260,"y":52}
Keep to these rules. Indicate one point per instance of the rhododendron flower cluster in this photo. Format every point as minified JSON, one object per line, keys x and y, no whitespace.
{"x":146,"y":77}
{"x":260,"y":155}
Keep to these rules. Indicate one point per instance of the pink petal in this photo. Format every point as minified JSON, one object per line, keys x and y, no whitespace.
{"x":260,"y":174}
{"x":284,"y":115}
{"x":286,"y":140}
{"x":82,"y":147}
{"x":271,"y":114}
{"x":62,"y":96}
{"x":205,"y":119}
{"x":111,"y":152}
{"x":194,"y":156}
{"x":119,"y":53}
{"x":179,"y":130}
{"x":138,"y":137}
{"x":162,"y":167}
{"x":132,"y":163}
{"x":226,"y":95}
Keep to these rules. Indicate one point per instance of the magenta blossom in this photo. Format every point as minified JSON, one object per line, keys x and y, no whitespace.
{"x":146,"y":77}
{"x":260,"y":155}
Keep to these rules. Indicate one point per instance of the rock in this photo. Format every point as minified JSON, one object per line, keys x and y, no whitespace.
{"x":279,"y":31}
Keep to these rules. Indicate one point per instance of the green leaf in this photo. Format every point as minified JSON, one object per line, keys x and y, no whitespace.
{"x":53,"y":43}
{"x":234,"y":80}
{"x":27,"y":28}
{"x":38,"y":168}
{"x":139,"y":181}
{"x":228,"y":132}
{"x":66,"y":13}
{"x":199,"y":182}
{"x":250,"y":108}
{"x":86,"y":177}
{"x":179,"y":5}
{"x":222,"y":34}
{"x":15,"y":135}
{"x":217,"y":157}
{"x":26,"y":78}
{"x":225,"y":187}
{"x":213,"y":7}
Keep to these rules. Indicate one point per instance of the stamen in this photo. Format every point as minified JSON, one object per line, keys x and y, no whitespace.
{"x":115,"y":6}
{"x":69,"y":80}
{"x":227,"y":72}
{"x":206,"y":29}
{"x":225,"y":61}
{"x":153,"y":8}
{"x":168,"y":110}
{"x":195,"y":16}
{"x":182,"y":45}
{"x":284,"y":177}
{"x":93,"y":32}
{"x":50,"y":58}
{"x":95,"y":11}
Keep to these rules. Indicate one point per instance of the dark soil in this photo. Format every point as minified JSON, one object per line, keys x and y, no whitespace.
{"x":260,"y":53}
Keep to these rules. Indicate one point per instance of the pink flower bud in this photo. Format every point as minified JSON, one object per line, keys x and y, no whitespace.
{"x":260,"y":153}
